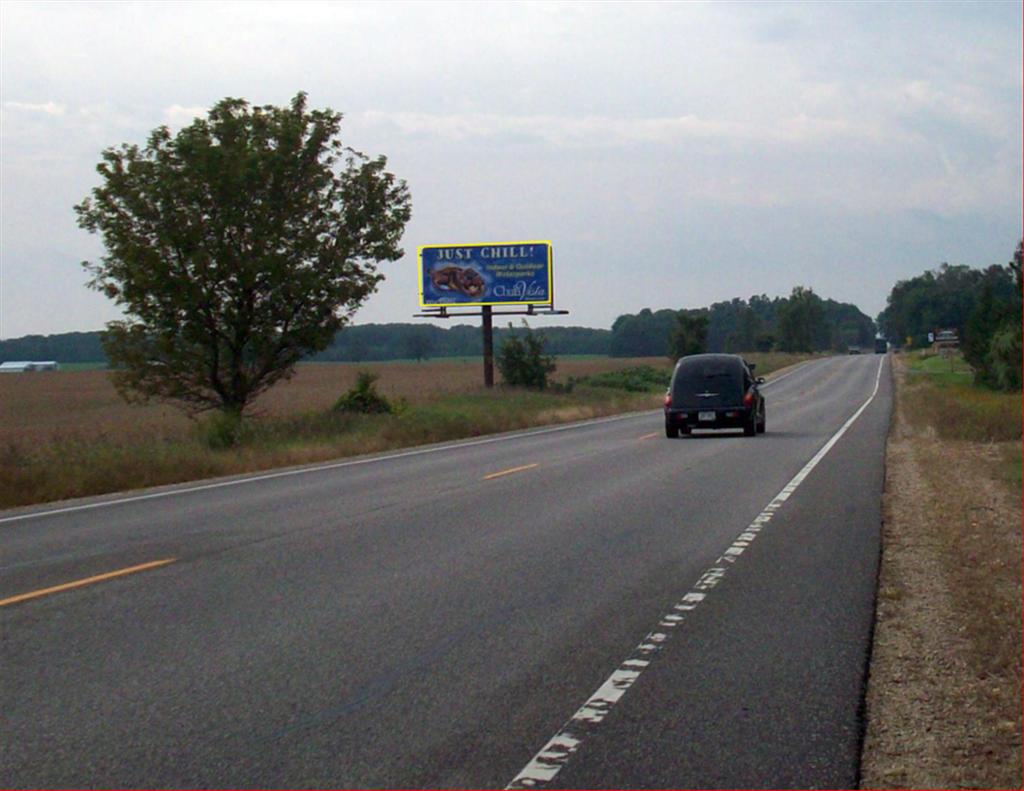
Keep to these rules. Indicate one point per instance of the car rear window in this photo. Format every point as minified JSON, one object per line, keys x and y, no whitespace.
{"x":709,"y":375}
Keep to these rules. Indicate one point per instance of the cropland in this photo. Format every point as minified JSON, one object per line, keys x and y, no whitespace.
{"x":83,"y":405}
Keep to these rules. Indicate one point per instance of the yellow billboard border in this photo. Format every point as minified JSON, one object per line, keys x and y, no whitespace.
{"x":551,"y":280}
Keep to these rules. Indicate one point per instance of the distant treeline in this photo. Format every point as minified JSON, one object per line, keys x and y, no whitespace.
{"x":422,"y":341}
{"x":67,"y":347}
{"x":984,"y":306}
{"x":947,"y":298}
{"x":801,"y":322}
{"x":358,"y":343}
{"x":757,"y":324}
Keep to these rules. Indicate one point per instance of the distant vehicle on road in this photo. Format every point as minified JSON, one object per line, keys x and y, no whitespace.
{"x":881,"y":345}
{"x":714,"y":391}
{"x":853,"y":349}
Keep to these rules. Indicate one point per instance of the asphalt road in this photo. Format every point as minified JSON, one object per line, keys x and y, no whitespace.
{"x":648,"y":612}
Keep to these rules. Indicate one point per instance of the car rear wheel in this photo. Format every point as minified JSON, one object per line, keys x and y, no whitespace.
{"x":761,"y":426}
{"x":671,"y":431}
{"x":750,"y":429}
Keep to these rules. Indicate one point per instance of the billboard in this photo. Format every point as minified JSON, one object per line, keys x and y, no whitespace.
{"x":496,"y":273}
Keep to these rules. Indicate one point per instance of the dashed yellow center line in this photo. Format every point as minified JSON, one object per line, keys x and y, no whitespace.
{"x":87,"y":581}
{"x":510,"y":471}
{"x":649,"y":436}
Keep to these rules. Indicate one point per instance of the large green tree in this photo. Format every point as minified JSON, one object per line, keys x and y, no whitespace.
{"x":988,"y":317}
{"x":748,"y":330}
{"x":689,"y":335}
{"x":983,"y":305}
{"x":1000,"y":366}
{"x":943,"y":298}
{"x":802,"y":326}
{"x":236,"y":247}
{"x":645,"y":334}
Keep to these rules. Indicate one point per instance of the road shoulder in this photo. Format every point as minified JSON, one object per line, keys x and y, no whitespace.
{"x":943,"y":699}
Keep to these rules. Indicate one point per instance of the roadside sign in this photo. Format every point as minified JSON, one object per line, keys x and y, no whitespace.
{"x":486,"y":274}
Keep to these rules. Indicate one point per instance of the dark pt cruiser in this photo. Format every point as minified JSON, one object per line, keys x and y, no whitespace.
{"x":714,"y":391}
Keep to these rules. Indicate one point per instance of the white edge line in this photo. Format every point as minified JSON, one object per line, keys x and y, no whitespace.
{"x":555,"y":754}
{"x":336,"y":465}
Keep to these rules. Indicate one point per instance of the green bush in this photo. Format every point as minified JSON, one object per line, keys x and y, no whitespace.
{"x":364,"y":398}
{"x":1004,"y":358}
{"x":522,"y":361}
{"x":221,"y":430}
{"x":640,"y":379}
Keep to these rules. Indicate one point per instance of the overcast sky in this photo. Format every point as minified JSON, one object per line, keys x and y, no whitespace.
{"x":675,"y":154}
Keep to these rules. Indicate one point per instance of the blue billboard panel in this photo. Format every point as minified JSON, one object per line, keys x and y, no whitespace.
{"x":497,"y":273}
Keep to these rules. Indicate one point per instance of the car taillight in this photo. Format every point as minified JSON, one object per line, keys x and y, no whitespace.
{"x":748,"y":399}
{"x":668,"y":400}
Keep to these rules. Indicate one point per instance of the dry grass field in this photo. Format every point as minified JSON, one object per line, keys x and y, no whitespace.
{"x":83,"y":405}
{"x":69,"y":434}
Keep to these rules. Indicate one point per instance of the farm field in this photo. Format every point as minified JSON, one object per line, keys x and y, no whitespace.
{"x":69,"y":434}
{"x":55,"y":406}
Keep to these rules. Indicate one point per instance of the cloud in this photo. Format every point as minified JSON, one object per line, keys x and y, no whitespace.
{"x":610,"y":126}
{"x":178,"y":116}
{"x":608,"y":131}
{"x":48,"y":108}
{"x":551,"y":129}
{"x":957,"y":102}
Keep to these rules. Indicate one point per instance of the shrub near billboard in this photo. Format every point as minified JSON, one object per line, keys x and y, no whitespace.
{"x":497,"y":273}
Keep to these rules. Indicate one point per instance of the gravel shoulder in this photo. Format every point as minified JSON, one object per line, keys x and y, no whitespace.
{"x":943,"y":703}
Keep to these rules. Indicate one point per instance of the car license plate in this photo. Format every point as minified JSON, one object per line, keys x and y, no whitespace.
{"x":705,"y":416}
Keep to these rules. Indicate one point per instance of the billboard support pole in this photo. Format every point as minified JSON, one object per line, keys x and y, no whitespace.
{"x":488,"y":347}
{"x":481,"y":275}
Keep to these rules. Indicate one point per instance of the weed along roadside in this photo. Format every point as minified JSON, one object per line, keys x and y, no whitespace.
{"x":944,"y":692}
{"x":115,"y":447}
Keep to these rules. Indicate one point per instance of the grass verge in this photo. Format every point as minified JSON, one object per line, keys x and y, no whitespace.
{"x":72,"y":465}
{"x":944,"y":693}
{"x":947,"y":403}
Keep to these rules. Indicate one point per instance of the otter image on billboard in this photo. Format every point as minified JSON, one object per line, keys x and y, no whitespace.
{"x":500,"y":273}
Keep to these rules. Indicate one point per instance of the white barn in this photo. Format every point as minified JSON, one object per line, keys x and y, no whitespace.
{"x":24,"y":366}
